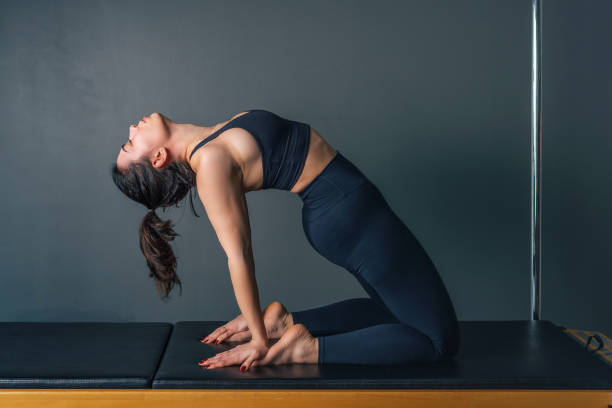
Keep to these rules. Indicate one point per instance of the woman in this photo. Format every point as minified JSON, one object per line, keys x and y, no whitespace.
{"x":408,"y":317}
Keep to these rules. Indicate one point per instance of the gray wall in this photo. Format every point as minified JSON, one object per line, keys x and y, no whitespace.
{"x":430,"y":99}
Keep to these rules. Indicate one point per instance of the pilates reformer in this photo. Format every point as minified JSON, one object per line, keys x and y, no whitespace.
{"x":507,"y":363}
{"x":517,"y":363}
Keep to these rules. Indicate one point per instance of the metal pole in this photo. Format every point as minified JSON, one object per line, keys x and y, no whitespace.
{"x":536,"y":156}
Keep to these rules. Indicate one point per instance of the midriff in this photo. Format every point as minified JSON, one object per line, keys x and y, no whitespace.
{"x":320,"y":153}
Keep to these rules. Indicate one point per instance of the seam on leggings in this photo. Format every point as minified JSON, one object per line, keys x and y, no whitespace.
{"x":344,"y":189}
{"x":344,"y":194}
{"x":325,"y":212}
{"x":336,"y":186}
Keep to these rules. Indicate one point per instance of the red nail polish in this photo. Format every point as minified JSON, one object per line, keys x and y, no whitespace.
{"x":243,"y":368}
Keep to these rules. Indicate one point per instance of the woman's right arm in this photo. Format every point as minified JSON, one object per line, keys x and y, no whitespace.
{"x":219,"y":184}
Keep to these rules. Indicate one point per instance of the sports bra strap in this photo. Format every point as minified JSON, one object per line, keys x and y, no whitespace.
{"x":215,"y":134}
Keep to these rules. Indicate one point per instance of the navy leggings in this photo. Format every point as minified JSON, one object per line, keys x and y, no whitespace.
{"x":409,"y":316}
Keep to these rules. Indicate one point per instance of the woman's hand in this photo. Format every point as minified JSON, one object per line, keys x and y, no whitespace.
{"x":244,"y":354}
{"x":274,"y":317}
{"x":236,"y":328}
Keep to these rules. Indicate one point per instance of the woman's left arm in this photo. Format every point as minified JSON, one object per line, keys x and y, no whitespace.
{"x":219,"y":184}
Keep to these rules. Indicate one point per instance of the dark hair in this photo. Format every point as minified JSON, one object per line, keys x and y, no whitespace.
{"x":155,"y":188}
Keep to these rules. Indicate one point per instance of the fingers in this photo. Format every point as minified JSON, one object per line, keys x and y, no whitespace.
{"x":212,"y":362}
{"x":245,"y":354}
{"x":247,"y":363}
{"x":218,"y":335}
{"x":213,"y":336}
{"x":240,"y":336}
{"x":227,"y":358}
{"x":224,"y":335}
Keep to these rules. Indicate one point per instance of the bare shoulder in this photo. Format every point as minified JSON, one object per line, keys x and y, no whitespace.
{"x":220,"y":189}
{"x":214,"y":158}
{"x":216,"y":165}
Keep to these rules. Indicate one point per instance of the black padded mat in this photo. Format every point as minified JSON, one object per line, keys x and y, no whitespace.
{"x":493,"y":355}
{"x":80,"y":355}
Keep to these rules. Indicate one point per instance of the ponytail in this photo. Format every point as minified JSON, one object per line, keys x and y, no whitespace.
{"x":156,"y":188}
{"x":155,"y":237}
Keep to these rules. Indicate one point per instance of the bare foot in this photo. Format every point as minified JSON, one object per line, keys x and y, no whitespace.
{"x":277,"y":320}
{"x":295,"y":346}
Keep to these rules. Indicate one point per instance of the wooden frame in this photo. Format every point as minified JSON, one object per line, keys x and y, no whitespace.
{"x":283,"y":398}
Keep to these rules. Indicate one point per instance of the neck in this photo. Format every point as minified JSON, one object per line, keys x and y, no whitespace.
{"x":184,"y":137}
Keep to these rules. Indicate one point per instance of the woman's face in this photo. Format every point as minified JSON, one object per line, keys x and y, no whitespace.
{"x":145,"y":139}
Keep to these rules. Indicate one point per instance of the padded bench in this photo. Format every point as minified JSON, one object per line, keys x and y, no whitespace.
{"x":81,"y":355}
{"x":505,"y":363}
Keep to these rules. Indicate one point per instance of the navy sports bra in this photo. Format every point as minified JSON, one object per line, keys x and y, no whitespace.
{"x":283,"y":144}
